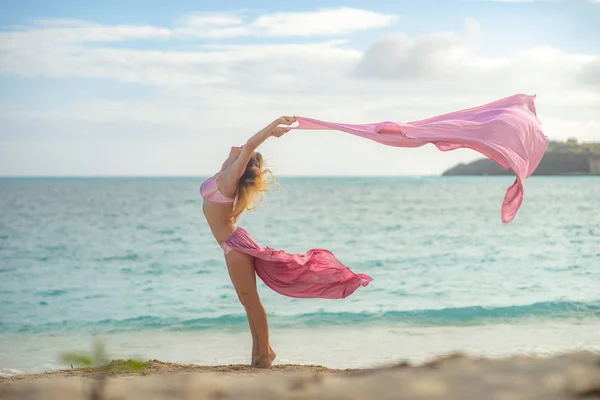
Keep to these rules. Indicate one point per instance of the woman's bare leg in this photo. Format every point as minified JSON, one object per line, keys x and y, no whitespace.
{"x":254,"y":360}
{"x":243,"y":277}
{"x":255,"y":354}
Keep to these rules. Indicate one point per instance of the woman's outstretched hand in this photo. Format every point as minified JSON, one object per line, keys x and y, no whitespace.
{"x":285,"y":120}
{"x":279,"y":131}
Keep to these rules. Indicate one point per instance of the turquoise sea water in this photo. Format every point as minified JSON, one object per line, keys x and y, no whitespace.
{"x":133,"y":261}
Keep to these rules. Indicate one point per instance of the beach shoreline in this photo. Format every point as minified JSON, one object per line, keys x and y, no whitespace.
{"x":157,"y":367}
{"x":572,"y":375}
{"x":337,"y":347}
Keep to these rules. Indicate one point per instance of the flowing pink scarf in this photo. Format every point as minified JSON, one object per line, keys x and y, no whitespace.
{"x":506,"y":131}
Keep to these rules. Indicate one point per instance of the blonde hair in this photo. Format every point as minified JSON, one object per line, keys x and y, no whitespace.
{"x":252,"y":185}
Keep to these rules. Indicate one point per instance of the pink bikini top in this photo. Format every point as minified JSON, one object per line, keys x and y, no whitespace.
{"x":210,"y":191}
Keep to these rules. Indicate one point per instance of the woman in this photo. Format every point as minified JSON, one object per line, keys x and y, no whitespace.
{"x":316,"y":274}
{"x":226,"y":196}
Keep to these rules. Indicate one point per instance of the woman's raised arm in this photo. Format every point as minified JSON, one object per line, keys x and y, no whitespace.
{"x":236,"y":170}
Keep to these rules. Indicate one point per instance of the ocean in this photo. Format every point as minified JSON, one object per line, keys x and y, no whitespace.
{"x":131,"y":261}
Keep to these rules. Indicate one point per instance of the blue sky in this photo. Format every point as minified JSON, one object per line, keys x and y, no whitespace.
{"x":164,"y":88}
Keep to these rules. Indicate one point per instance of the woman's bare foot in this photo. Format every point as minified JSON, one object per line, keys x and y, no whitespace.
{"x":255,"y":360}
{"x":266,"y":362}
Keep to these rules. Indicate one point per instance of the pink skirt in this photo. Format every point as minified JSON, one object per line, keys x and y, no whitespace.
{"x":315,"y":274}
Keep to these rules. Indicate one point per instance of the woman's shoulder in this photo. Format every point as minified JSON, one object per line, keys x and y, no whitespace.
{"x":226,"y":180}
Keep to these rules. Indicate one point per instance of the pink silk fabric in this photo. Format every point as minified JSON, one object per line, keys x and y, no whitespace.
{"x":315,"y":274}
{"x":506,"y":131}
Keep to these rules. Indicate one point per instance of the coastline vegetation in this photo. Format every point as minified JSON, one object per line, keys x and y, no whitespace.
{"x":572,"y":145}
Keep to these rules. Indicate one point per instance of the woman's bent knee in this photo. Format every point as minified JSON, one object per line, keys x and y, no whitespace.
{"x":249,"y":298}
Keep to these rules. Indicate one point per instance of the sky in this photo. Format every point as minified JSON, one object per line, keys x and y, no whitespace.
{"x":156,"y":88}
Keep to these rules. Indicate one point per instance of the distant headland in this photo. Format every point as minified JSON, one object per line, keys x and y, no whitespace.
{"x":561,"y":158}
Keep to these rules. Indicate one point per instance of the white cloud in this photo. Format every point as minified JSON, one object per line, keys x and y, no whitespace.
{"x":453,"y":58}
{"x":82,"y":32}
{"x":216,"y":95}
{"x":202,"y":20}
{"x":590,"y":74}
{"x":437,"y":55}
{"x":323,"y":22}
{"x":212,"y":25}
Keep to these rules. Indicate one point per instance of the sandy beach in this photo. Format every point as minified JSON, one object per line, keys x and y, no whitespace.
{"x":565,"y":376}
{"x":157,"y":367}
